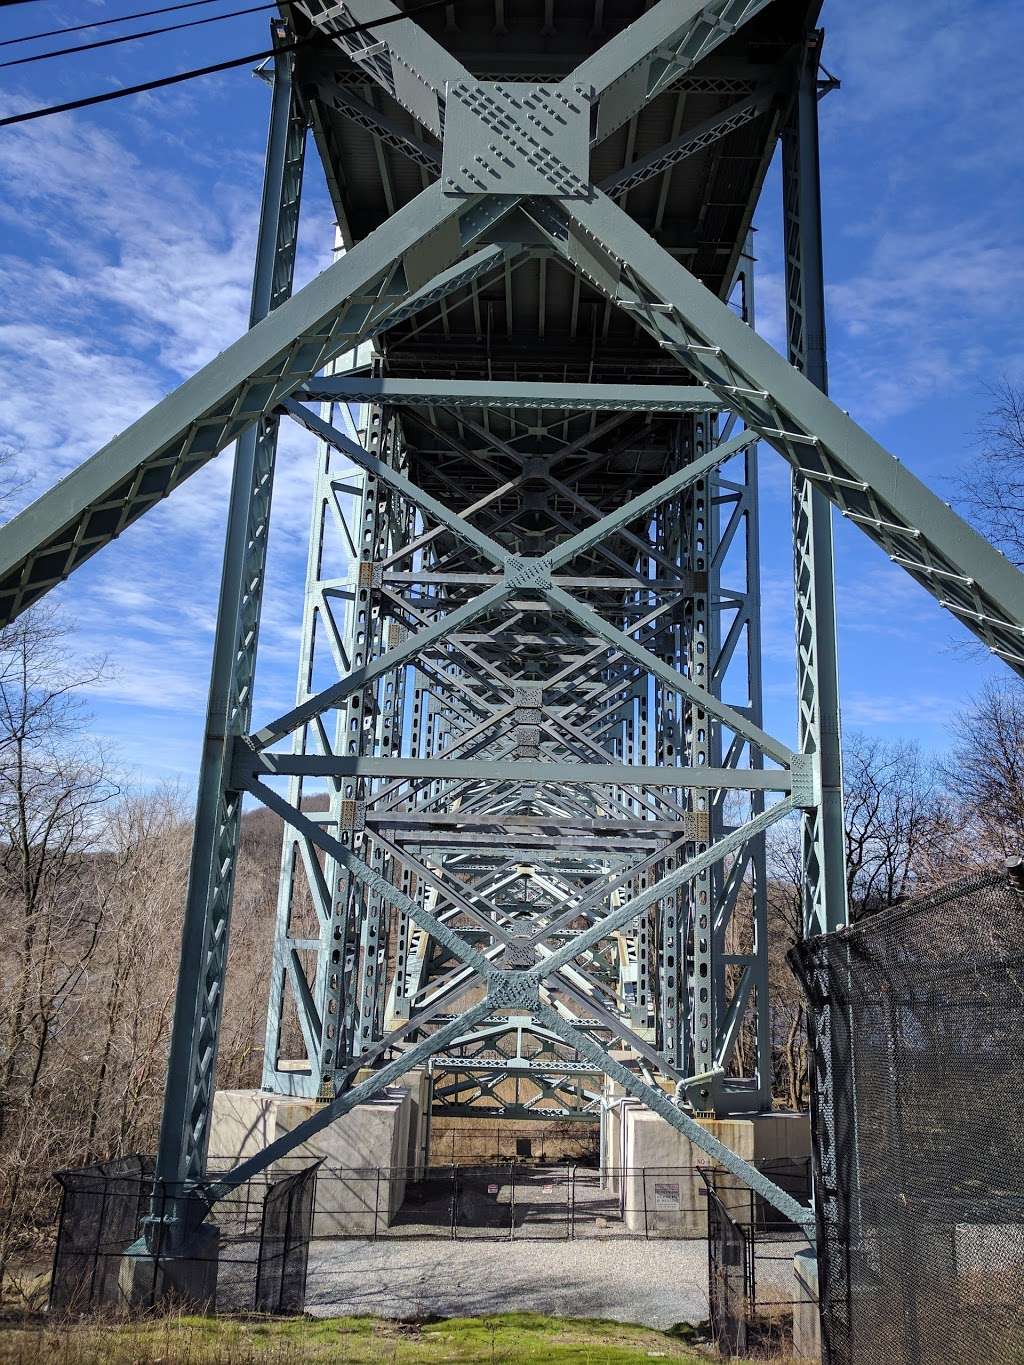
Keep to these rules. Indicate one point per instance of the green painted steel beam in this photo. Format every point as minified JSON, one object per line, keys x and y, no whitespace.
{"x":250,"y":765}
{"x":919,"y":532}
{"x":457,"y":392}
{"x":373,"y":281}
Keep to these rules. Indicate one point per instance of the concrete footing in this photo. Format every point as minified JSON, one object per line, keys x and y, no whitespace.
{"x":806,"y":1317}
{"x":186,"y":1283}
{"x":652,"y":1167}
{"x":368,"y":1154}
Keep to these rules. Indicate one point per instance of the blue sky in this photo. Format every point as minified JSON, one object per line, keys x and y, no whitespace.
{"x":126,"y":237}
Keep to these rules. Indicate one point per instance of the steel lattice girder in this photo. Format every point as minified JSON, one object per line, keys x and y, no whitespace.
{"x":351,"y":298}
{"x":412,"y":260}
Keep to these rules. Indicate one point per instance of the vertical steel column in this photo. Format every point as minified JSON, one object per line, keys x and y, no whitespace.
{"x":673,"y":1014}
{"x":341,"y":632}
{"x":328,"y":596}
{"x":823,"y":851}
{"x":751,"y":1090}
{"x":188,"y":1099}
{"x":369,"y":643}
{"x":703,"y":748}
{"x":756,"y":847}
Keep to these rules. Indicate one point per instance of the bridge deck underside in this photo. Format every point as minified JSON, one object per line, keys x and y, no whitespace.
{"x":527,"y":681}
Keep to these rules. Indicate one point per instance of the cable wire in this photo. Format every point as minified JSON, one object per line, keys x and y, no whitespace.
{"x":131,"y":37}
{"x":104,"y":23}
{"x":88,"y":100}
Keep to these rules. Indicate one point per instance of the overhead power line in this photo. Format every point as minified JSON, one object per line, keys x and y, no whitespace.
{"x":105,"y":23}
{"x":131,"y":37}
{"x":161,"y":81}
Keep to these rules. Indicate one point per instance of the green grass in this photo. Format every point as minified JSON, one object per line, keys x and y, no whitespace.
{"x":509,"y":1338}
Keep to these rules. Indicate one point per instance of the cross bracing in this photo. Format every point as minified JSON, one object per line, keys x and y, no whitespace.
{"x":526,"y":775}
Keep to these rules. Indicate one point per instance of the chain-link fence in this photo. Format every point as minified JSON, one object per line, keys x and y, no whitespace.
{"x":101,"y":1212}
{"x":285,"y":1231}
{"x":730,"y":1277}
{"x":513,"y":1201}
{"x":917,"y":1032}
{"x":254,"y":1250}
{"x":251,"y":1253}
{"x":751,"y":1246}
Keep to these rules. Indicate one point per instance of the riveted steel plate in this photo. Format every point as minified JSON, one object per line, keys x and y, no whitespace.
{"x":515,"y":138}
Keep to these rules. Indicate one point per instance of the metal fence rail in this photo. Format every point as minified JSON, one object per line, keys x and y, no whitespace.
{"x":730,"y":1277}
{"x":751,"y":1282}
{"x":509,"y":1200}
{"x":265,"y":1230}
{"x":101,"y":1212}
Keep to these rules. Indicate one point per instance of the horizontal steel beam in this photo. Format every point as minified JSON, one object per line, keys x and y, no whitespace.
{"x":546,"y":1066}
{"x":249,"y":765}
{"x":561,"y":823}
{"x":485,"y":393}
{"x":516,"y":845}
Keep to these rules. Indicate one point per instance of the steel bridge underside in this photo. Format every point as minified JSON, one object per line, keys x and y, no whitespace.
{"x":525,"y":783}
{"x":505,"y":398}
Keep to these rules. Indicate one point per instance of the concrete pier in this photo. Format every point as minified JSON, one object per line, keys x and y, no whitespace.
{"x":368,"y":1154}
{"x":806,"y":1318}
{"x":173,"y":1283}
{"x":652,"y":1167}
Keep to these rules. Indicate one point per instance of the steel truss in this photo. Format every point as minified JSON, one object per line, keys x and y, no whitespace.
{"x":512,"y":1069}
{"x":539,"y":795}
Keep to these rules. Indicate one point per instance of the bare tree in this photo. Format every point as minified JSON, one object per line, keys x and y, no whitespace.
{"x":52,"y":786}
{"x":895,"y":815}
{"x":994,"y":487}
{"x":897,"y":820}
{"x":92,"y":887}
{"x":985,"y":775}
{"x":53,"y":789}
{"x":143,"y":869}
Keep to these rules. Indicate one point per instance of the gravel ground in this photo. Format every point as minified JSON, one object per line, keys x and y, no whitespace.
{"x":656,"y":1283}
{"x":583,"y":1265}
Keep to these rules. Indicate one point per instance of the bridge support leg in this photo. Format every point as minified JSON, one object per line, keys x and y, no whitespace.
{"x":185,"y":1125}
{"x":823,"y":838}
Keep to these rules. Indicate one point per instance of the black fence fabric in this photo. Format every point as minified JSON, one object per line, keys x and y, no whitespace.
{"x":284,"y":1243}
{"x":730,"y":1278}
{"x":101,"y":1212}
{"x":917,"y":1018}
{"x":751,"y":1246}
{"x":251,"y":1253}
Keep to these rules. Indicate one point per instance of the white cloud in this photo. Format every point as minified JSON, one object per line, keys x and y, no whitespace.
{"x":906,"y":709}
{"x":770,"y":308}
{"x":944,"y":61}
{"x":922,"y":206}
{"x":926,"y":310}
{"x":120,"y":277}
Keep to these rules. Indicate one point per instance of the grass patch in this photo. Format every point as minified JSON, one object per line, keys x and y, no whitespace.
{"x":510,"y":1338}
